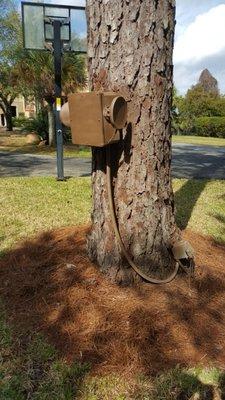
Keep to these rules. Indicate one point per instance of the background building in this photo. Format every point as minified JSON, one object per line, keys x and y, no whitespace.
{"x":20,"y":108}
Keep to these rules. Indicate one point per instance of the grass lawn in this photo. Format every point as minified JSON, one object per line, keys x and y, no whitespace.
{"x":16,"y":143}
{"x":198,"y":140}
{"x":200,"y":206}
{"x":32,"y":205}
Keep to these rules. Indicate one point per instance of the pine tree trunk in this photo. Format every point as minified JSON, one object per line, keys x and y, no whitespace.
{"x":51,"y":126}
{"x":130,"y":52}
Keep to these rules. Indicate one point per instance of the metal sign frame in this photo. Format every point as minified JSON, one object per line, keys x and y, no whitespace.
{"x":50,"y":5}
{"x":57,"y":49}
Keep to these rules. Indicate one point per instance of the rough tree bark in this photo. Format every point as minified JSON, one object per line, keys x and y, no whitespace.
{"x":8,"y":117}
{"x":130,"y":44}
{"x":7,"y":110}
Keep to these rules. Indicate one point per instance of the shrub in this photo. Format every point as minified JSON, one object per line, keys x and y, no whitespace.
{"x":182,"y":126}
{"x":19,"y":122}
{"x":201,"y":126}
{"x":38,"y":124}
{"x":209,"y":126}
{"x":67,"y":138}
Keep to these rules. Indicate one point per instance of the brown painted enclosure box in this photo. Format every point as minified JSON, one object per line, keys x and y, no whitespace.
{"x":87,"y":122}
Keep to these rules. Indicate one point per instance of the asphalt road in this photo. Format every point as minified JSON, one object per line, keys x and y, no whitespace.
{"x":188,"y":161}
{"x":38,"y":165}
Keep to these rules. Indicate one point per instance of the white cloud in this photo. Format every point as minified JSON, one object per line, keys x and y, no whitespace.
{"x":203,"y":37}
{"x":185,"y":76}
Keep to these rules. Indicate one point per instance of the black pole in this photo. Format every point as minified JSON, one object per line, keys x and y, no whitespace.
{"x":58,"y":94}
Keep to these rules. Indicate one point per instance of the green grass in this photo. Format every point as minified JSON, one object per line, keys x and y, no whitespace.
{"x":179,"y":383}
{"x":200,"y":205}
{"x":68,"y":150}
{"x":16,"y":143}
{"x":198,"y":140}
{"x":37,"y":373}
{"x":31,"y":205}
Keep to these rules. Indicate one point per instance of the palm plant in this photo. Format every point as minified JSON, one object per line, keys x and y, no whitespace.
{"x":37,"y":124}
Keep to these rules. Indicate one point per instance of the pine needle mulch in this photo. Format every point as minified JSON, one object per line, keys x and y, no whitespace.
{"x":48,"y":285}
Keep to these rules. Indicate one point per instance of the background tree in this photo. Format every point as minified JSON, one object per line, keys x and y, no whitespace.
{"x":199,"y":102}
{"x":130,"y":48}
{"x":31,"y":73}
{"x":202,"y":110}
{"x":9,"y":90}
{"x":37,"y":72}
{"x":10,"y":51}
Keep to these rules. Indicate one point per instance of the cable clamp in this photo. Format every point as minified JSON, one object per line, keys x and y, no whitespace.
{"x":183,"y":253}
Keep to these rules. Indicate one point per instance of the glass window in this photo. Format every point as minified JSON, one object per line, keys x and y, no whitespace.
{"x":57,"y":12}
{"x":34,"y":27}
{"x":78,"y":30}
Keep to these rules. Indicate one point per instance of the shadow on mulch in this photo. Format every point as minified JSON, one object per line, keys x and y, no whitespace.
{"x":49,"y":285}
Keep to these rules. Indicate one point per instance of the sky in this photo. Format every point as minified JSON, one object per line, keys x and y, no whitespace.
{"x":199,"y":40}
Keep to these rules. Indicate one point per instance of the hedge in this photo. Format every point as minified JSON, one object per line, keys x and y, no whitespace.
{"x":201,"y":126}
{"x":209,"y":126}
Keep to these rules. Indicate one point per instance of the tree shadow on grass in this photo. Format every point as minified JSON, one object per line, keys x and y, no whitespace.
{"x":186,"y":198}
{"x":197,"y":166}
{"x":186,"y":385}
{"x":220,"y":219}
{"x":181,"y":384}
